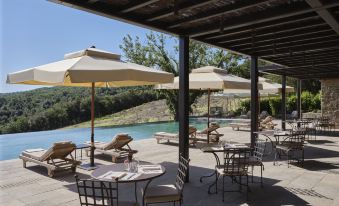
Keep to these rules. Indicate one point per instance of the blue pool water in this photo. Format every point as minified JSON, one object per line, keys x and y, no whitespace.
{"x":11,"y":145}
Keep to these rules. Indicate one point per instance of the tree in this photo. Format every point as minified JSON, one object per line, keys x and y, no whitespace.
{"x":156,"y":52}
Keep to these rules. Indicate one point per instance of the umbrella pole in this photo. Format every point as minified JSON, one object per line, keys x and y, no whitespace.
{"x":208,"y":115}
{"x":92,"y":124}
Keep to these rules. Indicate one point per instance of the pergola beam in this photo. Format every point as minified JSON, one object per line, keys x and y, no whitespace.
{"x":233,"y":7}
{"x":288,"y":44}
{"x":285,"y":42}
{"x":306,"y":55}
{"x":176,"y":9}
{"x":321,"y":46}
{"x":325,"y":14}
{"x":294,"y":9}
{"x":281,"y":38}
{"x":308,"y":19}
{"x":134,"y":5}
{"x":313,"y":62}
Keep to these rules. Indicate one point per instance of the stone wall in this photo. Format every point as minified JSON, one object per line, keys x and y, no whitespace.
{"x":330,"y":99}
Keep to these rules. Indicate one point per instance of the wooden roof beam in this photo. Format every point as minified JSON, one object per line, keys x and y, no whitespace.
{"x":233,"y":7}
{"x":325,"y":14}
{"x":134,"y":5}
{"x":288,"y":45}
{"x":262,"y":28}
{"x":294,"y":40}
{"x":307,"y":55}
{"x":272,"y":14}
{"x":180,"y":8}
{"x":313,"y":47}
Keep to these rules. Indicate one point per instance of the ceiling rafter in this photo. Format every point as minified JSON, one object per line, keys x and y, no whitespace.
{"x":134,"y":5}
{"x":325,"y":14}
{"x":237,"y":6}
{"x":286,"y":42}
{"x":181,"y":7}
{"x":273,"y":14}
{"x":272,"y":38}
{"x":266,"y":27}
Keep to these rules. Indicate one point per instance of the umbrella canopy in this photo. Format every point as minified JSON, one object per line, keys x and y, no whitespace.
{"x":90,"y":65}
{"x":211,"y":78}
{"x":90,"y":68}
{"x":268,"y":89}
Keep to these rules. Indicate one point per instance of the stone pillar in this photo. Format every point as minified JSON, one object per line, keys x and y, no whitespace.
{"x":330,"y":99}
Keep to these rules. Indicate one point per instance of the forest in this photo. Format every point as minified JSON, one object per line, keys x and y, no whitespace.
{"x":56,"y":107}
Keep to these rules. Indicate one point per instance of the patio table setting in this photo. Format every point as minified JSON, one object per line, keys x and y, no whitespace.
{"x":129,"y":172}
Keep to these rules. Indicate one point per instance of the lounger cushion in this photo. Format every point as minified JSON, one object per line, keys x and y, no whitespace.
{"x":166,"y":134}
{"x":37,"y":155}
{"x":162,"y":193}
{"x":100,"y":145}
{"x":118,"y":141}
{"x":58,"y":150}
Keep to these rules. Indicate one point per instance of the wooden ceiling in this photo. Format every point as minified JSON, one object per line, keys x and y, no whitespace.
{"x":300,"y":36}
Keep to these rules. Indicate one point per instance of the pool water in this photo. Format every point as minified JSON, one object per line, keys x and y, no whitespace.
{"x":11,"y":145}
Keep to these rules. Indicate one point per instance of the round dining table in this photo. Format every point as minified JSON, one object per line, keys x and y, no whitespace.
{"x":130,"y":177}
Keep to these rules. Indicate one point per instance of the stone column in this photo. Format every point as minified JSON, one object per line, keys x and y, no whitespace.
{"x":330,"y":99}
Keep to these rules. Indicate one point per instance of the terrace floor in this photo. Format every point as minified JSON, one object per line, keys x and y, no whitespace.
{"x":315,"y":184}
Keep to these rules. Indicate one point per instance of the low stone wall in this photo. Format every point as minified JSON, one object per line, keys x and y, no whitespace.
{"x":330,"y":99}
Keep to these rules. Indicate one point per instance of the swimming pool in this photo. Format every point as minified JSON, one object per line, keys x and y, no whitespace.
{"x":11,"y":145}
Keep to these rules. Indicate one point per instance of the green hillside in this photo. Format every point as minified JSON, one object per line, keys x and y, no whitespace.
{"x":57,"y":107}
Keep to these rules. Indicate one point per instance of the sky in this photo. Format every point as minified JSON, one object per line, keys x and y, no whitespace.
{"x":37,"y":32}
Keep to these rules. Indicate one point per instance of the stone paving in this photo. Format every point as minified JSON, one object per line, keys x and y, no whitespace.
{"x":315,"y":184}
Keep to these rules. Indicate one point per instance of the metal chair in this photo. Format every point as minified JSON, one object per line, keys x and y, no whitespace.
{"x":99,"y":193}
{"x":171,"y":192}
{"x":256,"y":158}
{"x":324,"y":124}
{"x":292,"y":144}
{"x":311,"y":129}
{"x":235,"y":166}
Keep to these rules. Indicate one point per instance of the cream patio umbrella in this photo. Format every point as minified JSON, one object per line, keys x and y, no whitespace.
{"x":268,"y":89}
{"x":90,"y":68}
{"x":211,"y":78}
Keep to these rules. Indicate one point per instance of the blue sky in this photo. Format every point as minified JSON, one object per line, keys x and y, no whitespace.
{"x":36,"y":32}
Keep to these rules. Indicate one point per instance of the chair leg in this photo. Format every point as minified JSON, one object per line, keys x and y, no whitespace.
{"x":252,"y":173}
{"x":275,"y":157}
{"x":223,"y":188}
{"x":261,"y":168}
{"x":247,"y":189}
{"x":216,"y":182}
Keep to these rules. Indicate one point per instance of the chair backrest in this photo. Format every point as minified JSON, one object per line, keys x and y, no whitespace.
{"x":296,"y":139}
{"x":59,"y":150}
{"x":182,"y":173}
{"x":259,"y":149}
{"x":212,"y":127}
{"x":94,"y":192}
{"x":119,"y":141}
{"x":236,"y":161}
{"x":192,"y":130}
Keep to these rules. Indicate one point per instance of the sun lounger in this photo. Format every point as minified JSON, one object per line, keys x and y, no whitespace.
{"x":268,"y":123}
{"x":54,"y":159}
{"x":239,"y":125}
{"x":175,"y":136}
{"x":214,"y":135}
{"x":117,"y":148}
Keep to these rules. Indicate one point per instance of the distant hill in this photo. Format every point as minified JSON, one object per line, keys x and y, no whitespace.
{"x":56,"y":107}
{"x":148,"y":112}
